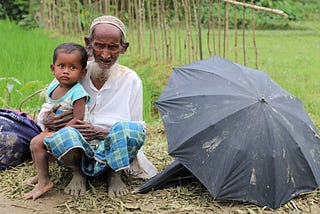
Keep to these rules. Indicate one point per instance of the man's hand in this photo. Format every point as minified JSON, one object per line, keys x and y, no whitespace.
{"x":90,"y":132}
{"x":54,"y":121}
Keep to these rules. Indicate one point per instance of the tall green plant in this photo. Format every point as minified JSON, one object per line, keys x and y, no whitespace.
{"x":25,"y":63}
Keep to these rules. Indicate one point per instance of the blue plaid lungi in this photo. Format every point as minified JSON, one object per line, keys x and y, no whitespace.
{"x":116,"y":151}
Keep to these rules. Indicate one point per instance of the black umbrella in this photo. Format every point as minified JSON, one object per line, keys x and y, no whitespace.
{"x":242,"y":135}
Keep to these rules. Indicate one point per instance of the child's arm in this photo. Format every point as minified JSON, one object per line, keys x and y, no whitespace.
{"x":79,"y":107}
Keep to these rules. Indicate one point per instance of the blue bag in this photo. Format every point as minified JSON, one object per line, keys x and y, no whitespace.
{"x":16,"y":132}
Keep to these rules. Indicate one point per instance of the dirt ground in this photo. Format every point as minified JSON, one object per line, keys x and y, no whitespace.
{"x":48,"y":204}
{"x":175,"y":200}
{"x":191,"y":198}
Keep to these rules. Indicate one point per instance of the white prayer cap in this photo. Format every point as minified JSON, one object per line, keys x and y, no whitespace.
{"x":109,"y":20}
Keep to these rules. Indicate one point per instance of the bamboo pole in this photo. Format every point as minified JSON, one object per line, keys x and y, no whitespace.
{"x":137,"y":21}
{"x":155,"y":33}
{"x":188,"y":40}
{"x":191,"y":53}
{"x":100,"y":6}
{"x":208,"y":27}
{"x":244,"y":35}
{"x":66,"y":18}
{"x":255,"y":7}
{"x":130,"y":20}
{"x":106,"y":9}
{"x":197,"y":12}
{"x":142,"y":25}
{"x":219,"y":27}
{"x":193,"y":24}
{"x":122,"y":9}
{"x":52,"y":9}
{"x":151,"y":30}
{"x":156,"y":30}
{"x":80,"y":10}
{"x":84,"y":8}
{"x":214,"y":30}
{"x":59,"y":19}
{"x":47,"y":8}
{"x":164,"y":30}
{"x":139,"y":24}
{"x":160,"y":35}
{"x":176,"y":39}
{"x":40,"y":16}
{"x":42,"y":13}
{"x":45,"y":12}
{"x":132,"y":24}
{"x":116,"y":8}
{"x":253,"y":35}
{"x":72,"y":16}
{"x":225,"y":34}
{"x":65,"y":11}
{"x":235,"y":33}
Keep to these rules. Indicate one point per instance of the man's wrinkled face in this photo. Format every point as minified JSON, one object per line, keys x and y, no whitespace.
{"x":106,"y":45}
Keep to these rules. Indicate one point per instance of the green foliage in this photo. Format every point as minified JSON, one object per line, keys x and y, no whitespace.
{"x":28,"y":22}
{"x":24,"y":12}
{"x":25,"y":64}
{"x":296,"y":11}
{"x":18,"y":11}
{"x":14,"y":9}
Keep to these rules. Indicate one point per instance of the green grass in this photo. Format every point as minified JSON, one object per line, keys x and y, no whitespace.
{"x":26,"y":56}
{"x":290,"y":57}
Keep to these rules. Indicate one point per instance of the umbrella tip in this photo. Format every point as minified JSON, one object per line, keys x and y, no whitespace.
{"x":135,"y":191}
{"x":263,"y":100}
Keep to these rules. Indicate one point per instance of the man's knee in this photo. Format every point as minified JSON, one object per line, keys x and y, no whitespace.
{"x":129,"y":128}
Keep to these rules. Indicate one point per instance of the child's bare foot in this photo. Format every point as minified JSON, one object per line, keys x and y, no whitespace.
{"x":38,"y":190}
{"x":30,"y":181}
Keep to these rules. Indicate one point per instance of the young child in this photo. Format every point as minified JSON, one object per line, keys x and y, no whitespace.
{"x":69,"y":66}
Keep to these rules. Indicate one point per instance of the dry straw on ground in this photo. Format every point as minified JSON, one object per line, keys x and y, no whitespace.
{"x":191,"y":198}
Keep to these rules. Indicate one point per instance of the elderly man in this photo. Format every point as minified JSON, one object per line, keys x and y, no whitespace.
{"x":114,"y":133}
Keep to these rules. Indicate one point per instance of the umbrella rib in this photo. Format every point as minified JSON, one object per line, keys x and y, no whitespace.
{"x":203,"y":95}
{"x":235,"y":82}
{"x":293,"y":114}
{"x":289,"y":131}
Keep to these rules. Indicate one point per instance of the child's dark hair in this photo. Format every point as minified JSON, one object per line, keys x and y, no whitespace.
{"x":69,"y":48}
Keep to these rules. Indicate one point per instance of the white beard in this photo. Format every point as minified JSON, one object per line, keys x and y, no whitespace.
{"x":97,"y":73}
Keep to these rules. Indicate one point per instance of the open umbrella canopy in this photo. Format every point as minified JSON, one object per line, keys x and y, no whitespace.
{"x":243,"y":136}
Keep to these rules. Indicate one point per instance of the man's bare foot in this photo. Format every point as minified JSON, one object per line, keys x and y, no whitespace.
{"x":38,"y":190}
{"x":30,"y":181}
{"x":116,"y":187}
{"x":77,"y":185}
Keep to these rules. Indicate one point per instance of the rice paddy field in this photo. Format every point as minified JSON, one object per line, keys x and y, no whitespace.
{"x":290,"y":57}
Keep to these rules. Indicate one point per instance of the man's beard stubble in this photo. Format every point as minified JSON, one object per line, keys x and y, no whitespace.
{"x":97,"y":73}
